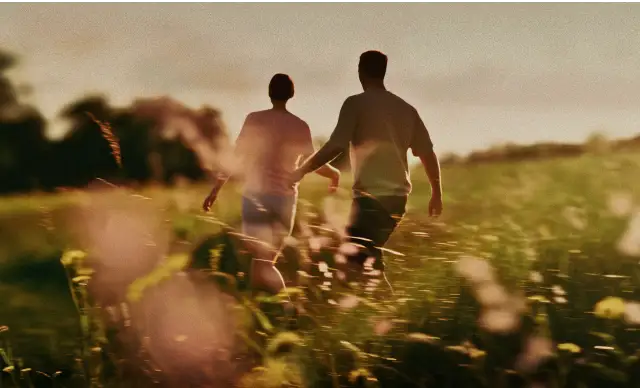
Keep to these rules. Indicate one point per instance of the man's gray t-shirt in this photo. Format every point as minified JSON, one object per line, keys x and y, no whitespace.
{"x":378,"y":128}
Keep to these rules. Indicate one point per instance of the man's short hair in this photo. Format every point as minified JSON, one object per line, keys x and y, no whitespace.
{"x":281,"y":87}
{"x":373,"y":64}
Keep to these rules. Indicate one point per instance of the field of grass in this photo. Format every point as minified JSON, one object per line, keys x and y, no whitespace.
{"x":502,"y":290}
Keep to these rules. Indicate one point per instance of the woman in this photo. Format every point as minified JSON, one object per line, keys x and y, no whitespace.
{"x":270,"y":146}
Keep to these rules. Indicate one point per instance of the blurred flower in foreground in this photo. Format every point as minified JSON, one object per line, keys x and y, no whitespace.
{"x":491,"y":295}
{"x":501,"y":313}
{"x":283,"y":343}
{"x":535,"y":277}
{"x":382,"y":327}
{"x":348,"y":301}
{"x":474,"y":269}
{"x":620,"y":203}
{"x":575,"y":216}
{"x":69,"y":257}
{"x":632,"y":313}
{"x":569,"y":347}
{"x":537,"y":349}
{"x":359,"y":377}
{"x":501,"y":320}
{"x":337,"y":212}
{"x":610,"y":308}
{"x":558,"y":290}
{"x":421,"y":337}
{"x":629,"y":243}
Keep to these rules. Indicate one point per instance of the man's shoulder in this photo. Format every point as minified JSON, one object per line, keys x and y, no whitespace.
{"x":298,"y":120}
{"x":401,"y":100}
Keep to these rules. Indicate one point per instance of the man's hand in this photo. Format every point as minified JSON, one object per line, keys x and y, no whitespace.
{"x":208,"y":202}
{"x":435,"y":206}
{"x":335,"y":182}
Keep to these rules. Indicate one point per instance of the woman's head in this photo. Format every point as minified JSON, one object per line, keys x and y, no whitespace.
{"x":281,"y":88}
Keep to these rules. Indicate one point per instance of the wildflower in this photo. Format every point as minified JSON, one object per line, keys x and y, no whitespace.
{"x":491,"y":295}
{"x":475,"y":353}
{"x":499,"y":320}
{"x":315,"y":243}
{"x":538,"y":298}
{"x":382,"y":327}
{"x":290,"y":241}
{"x":474,"y":269}
{"x":558,"y":290}
{"x":349,"y":249}
{"x":349,"y":301}
{"x":284,"y":342}
{"x":575,"y":217}
{"x":323,"y":267}
{"x":620,"y":204}
{"x":340,"y":258}
{"x":374,"y":273}
{"x":537,"y":349}
{"x":632,"y":313}
{"x":560,"y":300}
{"x":368,"y":263}
{"x":420,"y":337}
{"x":358,"y":376}
{"x":610,"y":308}
{"x":530,"y":254}
{"x":629,"y":243}
{"x":536,"y":277}
{"x":69,"y":257}
{"x":9,"y":369}
{"x":569,"y":347}
{"x":83,"y":279}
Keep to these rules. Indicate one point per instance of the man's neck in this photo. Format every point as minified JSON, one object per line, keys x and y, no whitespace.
{"x":374,"y":85}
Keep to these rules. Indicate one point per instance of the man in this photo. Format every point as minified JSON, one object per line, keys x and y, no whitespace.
{"x":379,"y":127}
{"x":270,"y":146}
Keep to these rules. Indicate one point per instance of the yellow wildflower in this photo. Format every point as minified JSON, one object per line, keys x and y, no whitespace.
{"x":610,"y":307}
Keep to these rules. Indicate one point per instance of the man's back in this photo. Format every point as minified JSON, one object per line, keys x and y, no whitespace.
{"x":385,"y":128}
{"x":271,"y":143}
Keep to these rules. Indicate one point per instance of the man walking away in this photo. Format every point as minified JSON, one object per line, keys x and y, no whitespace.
{"x":378,"y":128}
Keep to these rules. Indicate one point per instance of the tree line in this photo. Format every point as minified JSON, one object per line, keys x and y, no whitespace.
{"x":153,"y":140}
{"x":157,"y":140}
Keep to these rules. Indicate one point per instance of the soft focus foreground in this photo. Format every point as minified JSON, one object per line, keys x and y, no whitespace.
{"x":531,"y":278}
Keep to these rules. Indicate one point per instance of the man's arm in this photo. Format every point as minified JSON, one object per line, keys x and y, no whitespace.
{"x":337,"y":143}
{"x":432,"y":168}
{"x":326,"y":171}
{"x":422,"y":147}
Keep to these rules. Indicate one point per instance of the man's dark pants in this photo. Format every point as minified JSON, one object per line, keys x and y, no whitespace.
{"x":373,"y":219}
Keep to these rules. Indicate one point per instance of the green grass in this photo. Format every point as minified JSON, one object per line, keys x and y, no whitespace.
{"x":513,"y":215}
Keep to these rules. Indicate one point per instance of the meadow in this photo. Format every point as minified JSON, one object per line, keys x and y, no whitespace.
{"x":531,"y":277}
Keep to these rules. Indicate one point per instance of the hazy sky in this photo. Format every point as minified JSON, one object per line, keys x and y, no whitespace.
{"x":478,"y":73}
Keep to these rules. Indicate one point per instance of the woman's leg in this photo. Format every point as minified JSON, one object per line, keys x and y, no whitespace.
{"x":257,"y":226}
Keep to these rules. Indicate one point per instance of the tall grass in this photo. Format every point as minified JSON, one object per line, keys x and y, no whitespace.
{"x":529,"y":279}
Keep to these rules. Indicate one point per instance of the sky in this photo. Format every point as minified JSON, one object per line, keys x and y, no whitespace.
{"x":479,"y":74}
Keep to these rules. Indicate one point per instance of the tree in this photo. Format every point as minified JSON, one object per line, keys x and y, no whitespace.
{"x":597,"y":143}
{"x":23,"y":144}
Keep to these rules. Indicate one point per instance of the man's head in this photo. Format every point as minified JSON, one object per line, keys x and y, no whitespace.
{"x":372,"y":67}
{"x":281,"y":88}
